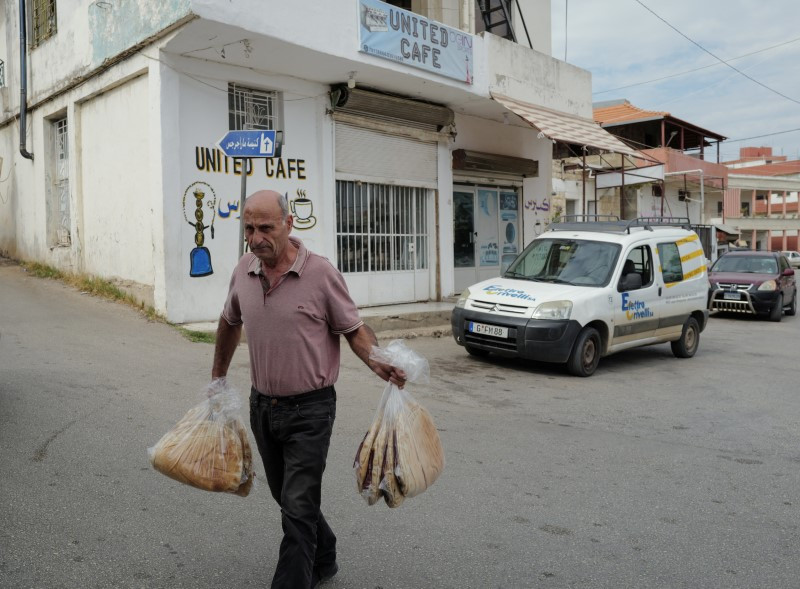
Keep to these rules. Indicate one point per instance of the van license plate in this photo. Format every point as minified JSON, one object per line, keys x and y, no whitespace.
{"x":492,"y":330}
{"x":731,"y":296}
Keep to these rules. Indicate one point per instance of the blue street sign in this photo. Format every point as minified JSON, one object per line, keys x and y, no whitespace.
{"x":251,"y":143}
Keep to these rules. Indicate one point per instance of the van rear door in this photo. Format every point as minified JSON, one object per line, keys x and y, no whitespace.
{"x":683,"y":268}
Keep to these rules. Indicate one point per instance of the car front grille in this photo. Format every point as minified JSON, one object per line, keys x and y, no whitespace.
{"x":489,"y":307}
{"x":733,"y":286}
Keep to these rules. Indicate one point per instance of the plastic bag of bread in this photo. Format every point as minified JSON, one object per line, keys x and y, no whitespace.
{"x":401,"y":454}
{"x":208,"y":448}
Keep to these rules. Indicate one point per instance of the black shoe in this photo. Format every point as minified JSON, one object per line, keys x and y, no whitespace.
{"x":319,"y":576}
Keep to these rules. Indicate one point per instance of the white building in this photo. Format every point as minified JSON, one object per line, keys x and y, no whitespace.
{"x":403,"y":156}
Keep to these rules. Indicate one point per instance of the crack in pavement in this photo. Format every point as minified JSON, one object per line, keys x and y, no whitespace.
{"x":41,"y":452}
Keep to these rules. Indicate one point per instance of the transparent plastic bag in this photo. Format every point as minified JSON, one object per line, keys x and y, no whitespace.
{"x":401,"y":454}
{"x":208,"y":448}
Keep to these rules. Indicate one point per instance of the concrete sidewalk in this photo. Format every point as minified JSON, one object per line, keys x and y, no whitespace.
{"x":402,"y":321}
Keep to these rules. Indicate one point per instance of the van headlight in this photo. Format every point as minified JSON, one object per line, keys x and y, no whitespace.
{"x":768,"y":285}
{"x":553,"y":310}
{"x":462,"y":299}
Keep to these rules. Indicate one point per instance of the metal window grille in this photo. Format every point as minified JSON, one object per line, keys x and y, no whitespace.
{"x":380,"y":228}
{"x":249,"y":108}
{"x":44,"y":20}
{"x":2,"y":74}
{"x":61,"y":152}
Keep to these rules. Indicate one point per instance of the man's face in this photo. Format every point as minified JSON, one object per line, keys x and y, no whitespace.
{"x":267,"y":234}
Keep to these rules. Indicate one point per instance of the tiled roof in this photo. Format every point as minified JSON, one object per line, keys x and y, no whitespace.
{"x":776,"y":169}
{"x":625,"y":112}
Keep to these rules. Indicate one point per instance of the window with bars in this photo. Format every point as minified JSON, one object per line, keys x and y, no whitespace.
{"x":381,"y":228}
{"x":60,"y":218}
{"x":43,"y":20}
{"x":2,"y":74}
{"x":249,"y":108}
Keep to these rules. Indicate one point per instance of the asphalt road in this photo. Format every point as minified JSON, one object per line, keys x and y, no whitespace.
{"x":655,"y":472}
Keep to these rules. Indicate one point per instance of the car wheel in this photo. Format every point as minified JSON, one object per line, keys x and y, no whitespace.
{"x":776,"y":313}
{"x":477,"y":352}
{"x":586,"y":353}
{"x":690,"y":339}
{"x":792,"y":310}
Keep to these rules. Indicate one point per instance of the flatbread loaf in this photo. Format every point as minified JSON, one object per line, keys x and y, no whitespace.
{"x":390,"y":488}
{"x":213,"y":455}
{"x":370,"y":488}
{"x":401,"y":454}
{"x":419,"y":453}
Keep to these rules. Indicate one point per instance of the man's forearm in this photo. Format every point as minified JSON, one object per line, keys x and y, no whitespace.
{"x":361,"y":341}
{"x":228,"y":337}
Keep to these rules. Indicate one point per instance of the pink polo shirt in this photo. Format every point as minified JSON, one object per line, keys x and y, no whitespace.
{"x":293,"y":330}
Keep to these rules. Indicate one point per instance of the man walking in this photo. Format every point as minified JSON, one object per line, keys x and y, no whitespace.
{"x":294,"y":305}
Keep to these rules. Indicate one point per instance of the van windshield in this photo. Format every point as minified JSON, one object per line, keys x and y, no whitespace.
{"x":566,"y":261}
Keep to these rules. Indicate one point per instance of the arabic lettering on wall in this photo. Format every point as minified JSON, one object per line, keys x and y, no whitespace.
{"x":537,"y":205}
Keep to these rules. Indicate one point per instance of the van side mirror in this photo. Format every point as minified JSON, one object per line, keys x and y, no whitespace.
{"x":788,"y":272}
{"x":631,"y":281}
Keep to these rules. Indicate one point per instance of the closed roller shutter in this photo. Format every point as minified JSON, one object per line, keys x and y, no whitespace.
{"x":371,"y":154}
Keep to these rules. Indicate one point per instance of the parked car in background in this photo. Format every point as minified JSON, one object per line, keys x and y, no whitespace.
{"x":753,"y":282}
{"x":793,"y":258}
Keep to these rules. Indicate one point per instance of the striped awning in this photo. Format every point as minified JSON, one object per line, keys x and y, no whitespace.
{"x":559,"y":126}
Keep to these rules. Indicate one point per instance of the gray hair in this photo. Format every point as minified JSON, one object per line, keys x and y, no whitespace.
{"x":283,"y":202}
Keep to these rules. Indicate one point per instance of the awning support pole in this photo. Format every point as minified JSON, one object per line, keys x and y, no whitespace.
{"x":583,"y":176}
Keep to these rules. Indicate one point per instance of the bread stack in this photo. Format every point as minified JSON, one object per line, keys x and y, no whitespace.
{"x":401,"y":454}
{"x":208,"y":449}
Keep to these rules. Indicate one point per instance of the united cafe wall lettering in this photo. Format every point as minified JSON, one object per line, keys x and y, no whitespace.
{"x":212,"y":159}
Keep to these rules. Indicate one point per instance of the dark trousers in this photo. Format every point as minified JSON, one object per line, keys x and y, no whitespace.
{"x":293,"y":435}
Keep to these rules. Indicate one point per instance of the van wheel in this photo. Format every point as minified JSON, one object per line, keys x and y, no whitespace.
{"x":477,"y":352}
{"x":776,"y":313}
{"x":586,"y":353}
{"x":792,"y":310}
{"x":690,"y":339}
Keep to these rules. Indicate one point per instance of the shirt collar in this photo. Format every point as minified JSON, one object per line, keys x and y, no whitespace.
{"x":254,"y":267}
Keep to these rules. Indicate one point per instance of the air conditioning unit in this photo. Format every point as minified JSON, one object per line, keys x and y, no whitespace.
{"x":684,"y":194}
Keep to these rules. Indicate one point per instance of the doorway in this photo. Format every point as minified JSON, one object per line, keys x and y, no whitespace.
{"x":486,"y":232}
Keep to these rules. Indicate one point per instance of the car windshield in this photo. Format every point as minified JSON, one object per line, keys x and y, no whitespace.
{"x":746,"y":265}
{"x":566,"y":261}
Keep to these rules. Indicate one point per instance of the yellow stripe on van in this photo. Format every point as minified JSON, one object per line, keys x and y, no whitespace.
{"x":695,"y":272}
{"x":687,"y":240}
{"x":690,"y":255}
{"x":687,"y":276}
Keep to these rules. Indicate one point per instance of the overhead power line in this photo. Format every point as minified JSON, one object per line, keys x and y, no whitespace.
{"x":697,"y":69}
{"x":713,"y":55}
{"x":765,"y":135}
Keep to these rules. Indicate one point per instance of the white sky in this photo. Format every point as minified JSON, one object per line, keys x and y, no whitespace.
{"x":621,"y":43}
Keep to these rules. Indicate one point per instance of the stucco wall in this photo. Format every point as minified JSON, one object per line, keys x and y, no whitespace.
{"x":304,"y":169}
{"x":116,"y":206}
{"x":88,"y":33}
{"x":534,"y":77}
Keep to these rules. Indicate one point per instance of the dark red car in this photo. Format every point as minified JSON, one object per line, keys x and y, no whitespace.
{"x":753,"y":282}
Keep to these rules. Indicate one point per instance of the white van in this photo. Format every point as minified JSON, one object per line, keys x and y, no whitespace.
{"x":583,"y":290}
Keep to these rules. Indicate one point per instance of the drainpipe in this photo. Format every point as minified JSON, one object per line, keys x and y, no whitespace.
{"x":23,"y":77}
{"x":702,"y":193}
